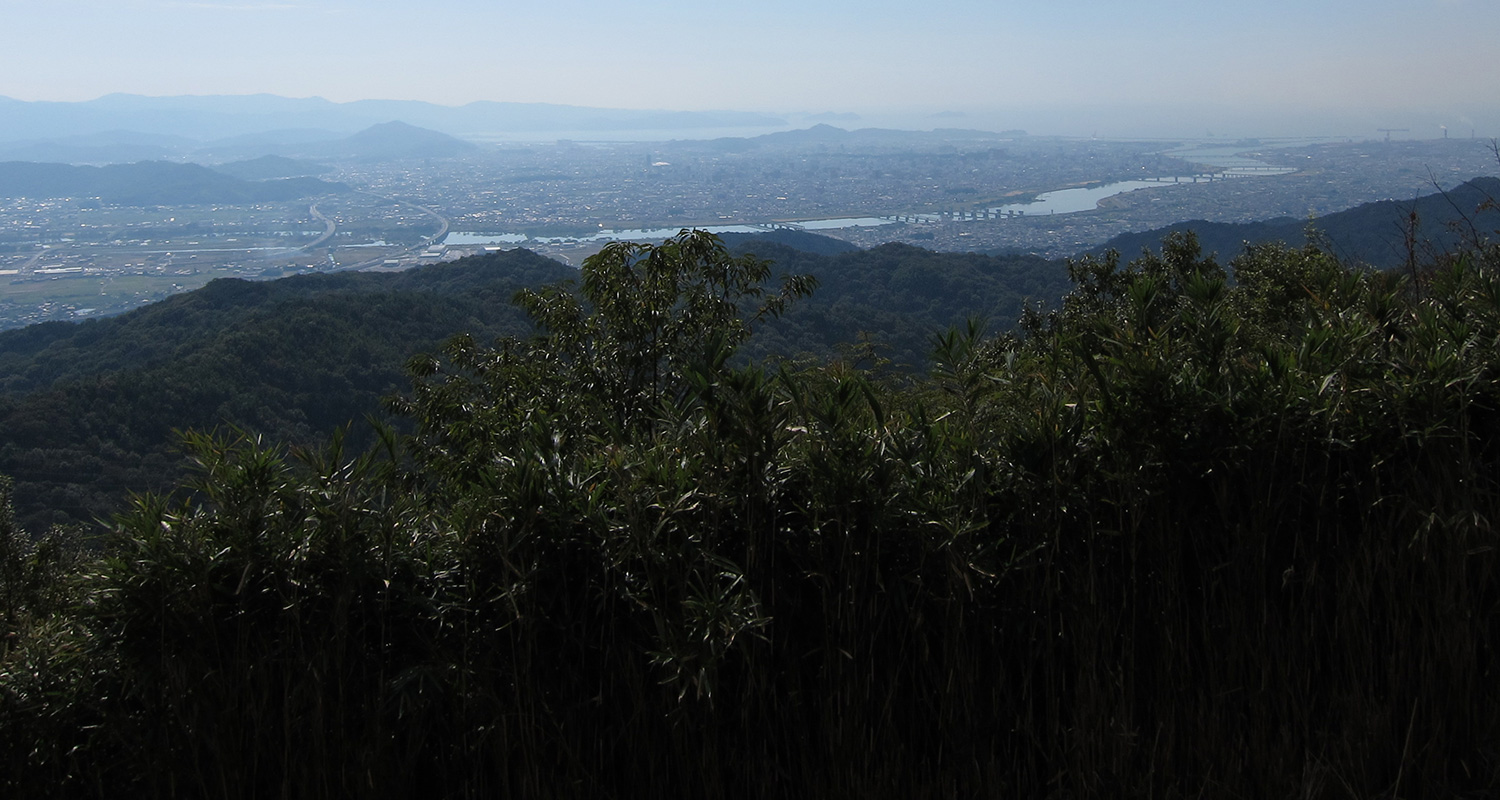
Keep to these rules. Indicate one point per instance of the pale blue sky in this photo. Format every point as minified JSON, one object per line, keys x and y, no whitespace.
{"x":1372,"y":60}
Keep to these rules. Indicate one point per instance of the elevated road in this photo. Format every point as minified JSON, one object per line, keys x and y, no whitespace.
{"x":329,"y":228}
{"x":442,"y":232}
{"x":442,"y":224}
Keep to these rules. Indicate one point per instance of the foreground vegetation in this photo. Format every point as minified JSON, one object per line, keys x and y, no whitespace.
{"x":1184,"y":536}
{"x":89,"y":409}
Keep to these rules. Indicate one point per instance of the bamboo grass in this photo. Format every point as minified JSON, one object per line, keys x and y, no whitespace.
{"x":1180,"y":537}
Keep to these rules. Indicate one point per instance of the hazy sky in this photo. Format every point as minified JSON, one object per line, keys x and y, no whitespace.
{"x":1085,"y":61}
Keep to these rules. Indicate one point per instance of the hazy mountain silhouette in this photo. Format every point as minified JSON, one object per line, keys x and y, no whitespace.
{"x":213,"y":117}
{"x":270,"y":168}
{"x":151,"y":183}
{"x":395,"y":140}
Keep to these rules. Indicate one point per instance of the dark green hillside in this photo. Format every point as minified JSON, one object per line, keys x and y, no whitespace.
{"x":1374,"y":233}
{"x":899,"y":297}
{"x":1189,"y":534}
{"x":797,"y":240}
{"x":151,"y":183}
{"x":89,"y":409}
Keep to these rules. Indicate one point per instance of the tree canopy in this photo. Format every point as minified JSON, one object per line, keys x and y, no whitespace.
{"x":1179,"y":535}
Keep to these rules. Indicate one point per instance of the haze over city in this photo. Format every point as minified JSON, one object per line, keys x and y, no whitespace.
{"x":1080,"y":68}
{"x":148,"y":147}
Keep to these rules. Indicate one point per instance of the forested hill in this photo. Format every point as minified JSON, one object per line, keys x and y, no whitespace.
{"x":1188,"y":535}
{"x":898,"y":297}
{"x":1374,"y":233}
{"x":794,"y":239}
{"x":90,"y":408}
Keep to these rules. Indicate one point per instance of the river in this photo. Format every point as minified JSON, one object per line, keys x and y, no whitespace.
{"x":1227,"y":161}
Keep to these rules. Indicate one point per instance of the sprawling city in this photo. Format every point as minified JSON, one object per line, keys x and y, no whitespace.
{"x":74,"y":257}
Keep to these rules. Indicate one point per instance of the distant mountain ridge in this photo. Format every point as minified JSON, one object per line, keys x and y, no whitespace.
{"x":385,"y":141}
{"x":272,"y":177}
{"x":151,"y":183}
{"x":101,"y":147}
{"x":824,"y":135}
{"x":213,"y":117}
{"x":270,"y":168}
